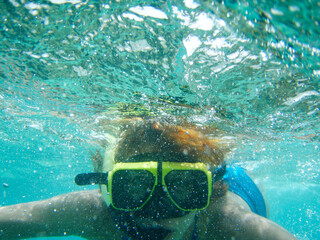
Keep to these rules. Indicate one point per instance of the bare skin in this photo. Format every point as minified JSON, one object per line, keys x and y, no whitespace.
{"x":85,"y":214}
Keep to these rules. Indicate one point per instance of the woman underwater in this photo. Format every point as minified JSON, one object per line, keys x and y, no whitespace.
{"x":160,"y":181}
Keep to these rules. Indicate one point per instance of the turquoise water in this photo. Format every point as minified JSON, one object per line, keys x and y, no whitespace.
{"x":250,"y":68}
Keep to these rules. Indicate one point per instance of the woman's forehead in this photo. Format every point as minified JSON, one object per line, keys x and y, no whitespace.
{"x":162,"y":156}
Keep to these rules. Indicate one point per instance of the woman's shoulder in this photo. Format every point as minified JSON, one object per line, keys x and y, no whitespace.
{"x":93,"y":211}
{"x":231,"y":218}
{"x":87,"y":195}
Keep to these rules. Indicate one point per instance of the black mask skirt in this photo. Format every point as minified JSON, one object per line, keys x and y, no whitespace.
{"x":140,"y":224}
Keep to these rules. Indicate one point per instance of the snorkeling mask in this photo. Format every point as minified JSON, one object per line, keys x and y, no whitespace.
{"x":131,"y":184}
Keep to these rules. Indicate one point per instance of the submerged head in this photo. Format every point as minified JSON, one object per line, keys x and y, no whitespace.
{"x":160,"y":170}
{"x":163,"y":170}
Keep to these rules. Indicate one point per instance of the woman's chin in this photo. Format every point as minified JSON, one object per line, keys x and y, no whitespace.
{"x":172,"y":224}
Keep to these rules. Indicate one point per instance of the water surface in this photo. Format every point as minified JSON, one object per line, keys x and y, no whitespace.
{"x":251,"y":69}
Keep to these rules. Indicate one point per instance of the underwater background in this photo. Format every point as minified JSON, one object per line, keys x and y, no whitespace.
{"x":250,"y":68}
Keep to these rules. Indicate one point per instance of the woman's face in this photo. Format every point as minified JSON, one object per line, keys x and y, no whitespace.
{"x":159,"y":216}
{"x":160,"y":205}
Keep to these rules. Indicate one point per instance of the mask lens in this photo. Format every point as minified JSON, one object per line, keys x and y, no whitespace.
{"x":131,"y":189}
{"x":188,"y":188}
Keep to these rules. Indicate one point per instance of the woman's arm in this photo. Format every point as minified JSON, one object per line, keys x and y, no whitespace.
{"x":79,"y":213}
{"x":228,"y":218}
{"x":243,"y":224}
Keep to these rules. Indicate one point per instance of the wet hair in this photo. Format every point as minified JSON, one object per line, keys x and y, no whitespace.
{"x":153,"y":136}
